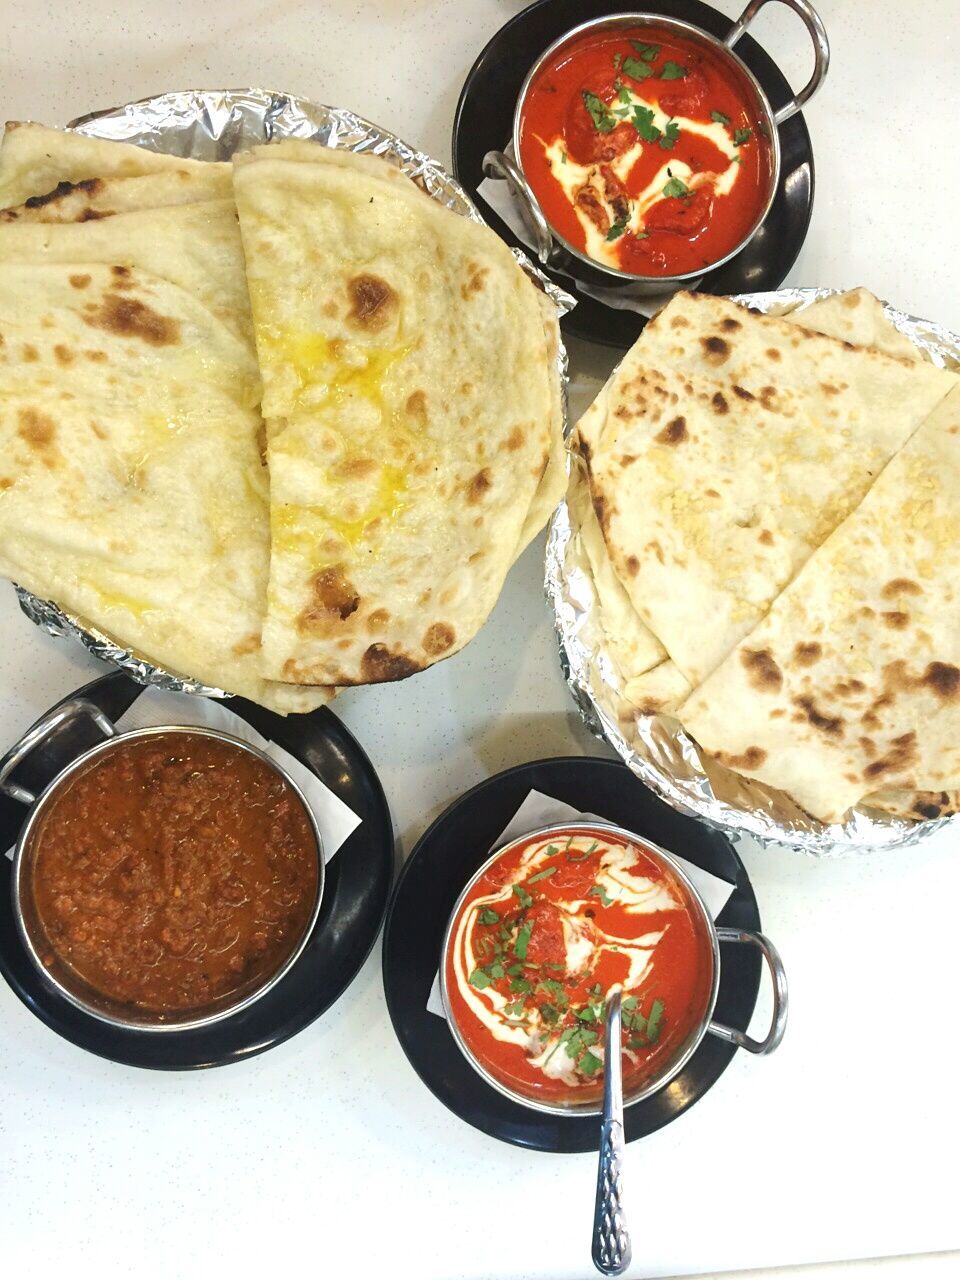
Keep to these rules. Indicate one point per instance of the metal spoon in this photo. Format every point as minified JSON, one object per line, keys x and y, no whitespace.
{"x":611,"y":1240}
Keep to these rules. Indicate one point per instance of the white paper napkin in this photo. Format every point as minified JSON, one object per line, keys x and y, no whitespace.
{"x":156,"y":706}
{"x":498,"y":195}
{"x":539,"y":810}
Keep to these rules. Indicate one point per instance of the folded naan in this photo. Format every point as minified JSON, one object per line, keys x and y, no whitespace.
{"x":411,"y":414}
{"x":35,"y":160}
{"x":730,"y":446}
{"x":851,"y":683}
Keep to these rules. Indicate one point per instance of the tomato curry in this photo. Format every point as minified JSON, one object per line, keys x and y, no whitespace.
{"x":645,"y":150}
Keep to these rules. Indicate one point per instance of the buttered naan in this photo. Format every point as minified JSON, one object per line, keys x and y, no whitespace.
{"x":411,"y":414}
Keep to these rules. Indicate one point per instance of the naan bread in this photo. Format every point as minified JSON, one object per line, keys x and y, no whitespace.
{"x":132,"y":492}
{"x":852,"y":680}
{"x":34,"y":160}
{"x":194,"y":246}
{"x":410,"y":414}
{"x":713,"y":485}
{"x":96,"y":198}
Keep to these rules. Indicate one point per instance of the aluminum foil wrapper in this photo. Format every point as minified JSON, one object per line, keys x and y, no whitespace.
{"x":213,"y":124}
{"x":656,"y":747}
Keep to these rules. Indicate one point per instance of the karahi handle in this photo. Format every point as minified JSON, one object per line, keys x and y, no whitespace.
{"x":497,"y":164}
{"x":821,"y":49}
{"x":611,"y":1250}
{"x":778,"y":1023}
{"x":39,"y":732}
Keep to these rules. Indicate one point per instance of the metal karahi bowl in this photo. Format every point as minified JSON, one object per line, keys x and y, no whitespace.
{"x":552,"y":248}
{"x":55,"y":972}
{"x":706,"y":1026}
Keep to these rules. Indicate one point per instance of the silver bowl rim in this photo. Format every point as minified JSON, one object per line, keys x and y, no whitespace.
{"x":694,"y":1039}
{"x":772,"y":139}
{"x":45,"y":799}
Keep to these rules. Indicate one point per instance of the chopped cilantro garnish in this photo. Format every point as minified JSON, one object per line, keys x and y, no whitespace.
{"x":588,"y":1037}
{"x":590,"y":1064}
{"x":523,"y":985}
{"x":514,"y":969}
{"x":542,"y":875}
{"x":523,"y":938}
{"x":643,"y":123}
{"x":740,"y":137}
{"x":670,"y":136}
{"x":521,"y":893}
{"x":629,"y":1002}
{"x":674,"y":187}
{"x":624,"y":94}
{"x":637,"y":70}
{"x":586,"y":1014}
{"x":615,"y":232}
{"x":553,"y":988}
{"x":599,"y":112}
{"x":479,"y":979}
{"x":617,"y":59}
{"x":572,"y":857}
{"x":497,"y":970}
{"x":487,"y":916}
{"x":719,"y":118}
{"x":648,"y":52}
{"x":549,"y":1013}
{"x":598,"y":890}
{"x":672,"y":71}
{"x":653,"y":1022}
{"x":563,"y":157}
{"x":513,"y":1009}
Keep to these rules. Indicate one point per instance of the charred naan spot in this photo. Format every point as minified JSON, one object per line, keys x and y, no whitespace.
{"x":943,"y":679}
{"x":829,"y":389}
{"x":848,"y":346}
{"x":378,"y":664}
{"x":98,"y":431}
{"x":333,"y":596}
{"x":762,"y":670}
{"x":373,"y":302}
{"x":848,"y":688}
{"x":656,"y":549}
{"x":716,"y":350}
{"x":719,"y":402}
{"x":868,"y":747}
{"x":122,"y":277}
{"x":743,"y":393}
{"x":674,"y":433}
{"x":767,"y":396}
{"x":806,"y":653}
{"x":38,"y":431}
{"x":416,"y":406}
{"x":679,"y":322}
{"x":80,"y":281}
{"x":478,"y":486}
{"x":752,"y":758}
{"x":474,"y":283}
{"x":64,"y":355}
{"x":438,"y":639}
{"x":600,"y":510}
{"x":377,"y":620}
{"x":901,"y":754}
{"x":93,"y":215}
{"x":766,"y":537}
{"x":514,"y":440}
{"x":627,"y":460}
{"x":633,"y":566}
{"x":901,"y":587}
{"x":830,"y":725}
{"x":895,"y":619}
{"x":729,"y":325}
{"x":356,"y":468}
{"x":90,"y":186}
{"x":249,"y":644}
{"x":130,"y":318}
{"x":30,"y":353}
{"x":773,"y":354}
{"x":711,"y":493}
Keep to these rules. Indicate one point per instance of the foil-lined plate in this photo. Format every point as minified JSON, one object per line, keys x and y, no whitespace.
{"x":214,"y":124}
{"x":656,"y":747}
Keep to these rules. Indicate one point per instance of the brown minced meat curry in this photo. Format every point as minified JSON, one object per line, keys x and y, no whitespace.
{"x":175,"y":871}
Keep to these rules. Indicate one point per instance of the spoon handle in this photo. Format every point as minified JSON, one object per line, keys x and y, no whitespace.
{"x":611,"y":1241}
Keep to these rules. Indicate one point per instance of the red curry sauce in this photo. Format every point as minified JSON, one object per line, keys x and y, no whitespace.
{"x":175,"y":872}
{"x":543,"y":936}
{"x":630,"y":139}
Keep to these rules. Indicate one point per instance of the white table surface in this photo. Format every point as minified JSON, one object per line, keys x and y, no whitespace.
{"x":327,"y":1155}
